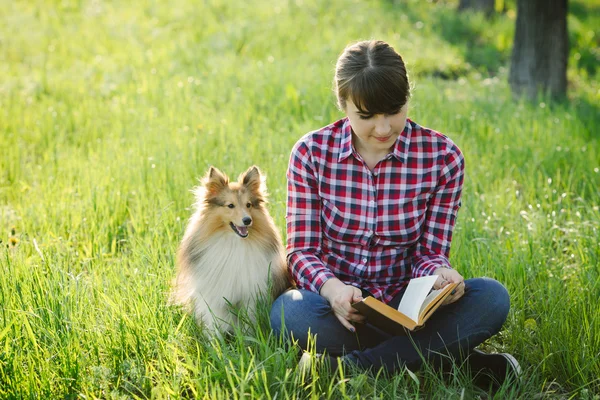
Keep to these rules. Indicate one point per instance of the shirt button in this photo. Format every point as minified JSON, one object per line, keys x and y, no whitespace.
{"x":365,"y":259}
{"x":372,"y":202}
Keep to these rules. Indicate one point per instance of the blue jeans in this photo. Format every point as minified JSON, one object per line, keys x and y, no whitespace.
{"x":453,"y":330}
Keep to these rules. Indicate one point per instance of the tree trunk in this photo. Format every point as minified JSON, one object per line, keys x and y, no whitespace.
{"x":486,"y":6}
{"x":540,"y":49}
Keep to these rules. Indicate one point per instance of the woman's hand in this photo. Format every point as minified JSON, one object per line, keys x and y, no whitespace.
{"x":341,"y":296}
{"x":447,"y":276}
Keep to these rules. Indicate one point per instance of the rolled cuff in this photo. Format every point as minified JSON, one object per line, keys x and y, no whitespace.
{"x":427,"y":265}
{"x":308,"y":271}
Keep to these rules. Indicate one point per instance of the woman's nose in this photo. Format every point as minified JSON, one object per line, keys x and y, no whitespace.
{"x":382,"y":125}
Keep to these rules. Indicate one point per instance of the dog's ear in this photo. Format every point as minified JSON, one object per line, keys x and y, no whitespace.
{"x":251,"y":179}
{"x":214,"y":181}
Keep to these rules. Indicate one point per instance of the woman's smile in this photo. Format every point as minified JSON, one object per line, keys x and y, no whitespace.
{"x":383,"y":139}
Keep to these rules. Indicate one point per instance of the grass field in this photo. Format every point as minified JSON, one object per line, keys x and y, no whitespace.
{"x":111,"y":110}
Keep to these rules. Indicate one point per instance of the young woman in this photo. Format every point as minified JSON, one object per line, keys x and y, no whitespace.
{"x":372,"y":203}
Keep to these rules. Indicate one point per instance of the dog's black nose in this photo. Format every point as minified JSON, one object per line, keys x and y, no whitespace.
{"x":247,"y":220}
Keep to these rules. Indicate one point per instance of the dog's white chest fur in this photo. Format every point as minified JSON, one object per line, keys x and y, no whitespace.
{"x":232,"y":268}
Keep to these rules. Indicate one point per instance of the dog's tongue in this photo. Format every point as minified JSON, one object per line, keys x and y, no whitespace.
{"x":243,"y":230}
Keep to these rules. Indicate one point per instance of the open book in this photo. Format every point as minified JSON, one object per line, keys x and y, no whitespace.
{"x":417,"y":305}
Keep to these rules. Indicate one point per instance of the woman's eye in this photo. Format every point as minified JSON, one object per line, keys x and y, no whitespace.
{"x":230,"y":206}
{"x":365,"y":116}
{"x":248,"y":205}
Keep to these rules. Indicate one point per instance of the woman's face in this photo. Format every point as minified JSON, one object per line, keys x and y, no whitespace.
{"x":375,"y":132}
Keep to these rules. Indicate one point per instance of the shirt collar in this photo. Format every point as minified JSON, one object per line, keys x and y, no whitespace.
{"x":400,"y":149}
{"x":345,"y":140}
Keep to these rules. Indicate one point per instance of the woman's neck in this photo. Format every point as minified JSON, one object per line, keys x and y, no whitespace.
{"x":370,"y":156}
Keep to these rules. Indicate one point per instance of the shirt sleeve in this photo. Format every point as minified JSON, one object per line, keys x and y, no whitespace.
{"x":303,"y":220}
{"x":433,"y":248}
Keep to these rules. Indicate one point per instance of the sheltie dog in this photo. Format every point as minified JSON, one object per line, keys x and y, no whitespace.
{"x":231,"y":250}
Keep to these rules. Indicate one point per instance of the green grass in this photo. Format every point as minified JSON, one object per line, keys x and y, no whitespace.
{"x":110,"y":111}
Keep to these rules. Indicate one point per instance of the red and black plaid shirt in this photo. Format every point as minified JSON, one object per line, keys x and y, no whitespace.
{"x":371,"y":229}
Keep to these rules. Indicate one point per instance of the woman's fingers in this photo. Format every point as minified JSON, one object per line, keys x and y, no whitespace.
{"x":458,"y":293}
{"x":452,"y":276}
{"x":341,"y":304}
{"x":446,"y":276}
{"x":346,"y":314}
{"x":356,"y":317}
{"x":350,"y":313}
{"x":440,"y":282}
{"x":346,"y":323}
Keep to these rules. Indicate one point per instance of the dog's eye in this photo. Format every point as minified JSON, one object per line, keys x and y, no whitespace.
{"x":230,"y":206}
{"x":248,"y":205}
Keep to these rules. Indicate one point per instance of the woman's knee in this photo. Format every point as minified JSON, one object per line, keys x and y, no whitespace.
{"x":295,"y":308}
{"x":492,"y":296}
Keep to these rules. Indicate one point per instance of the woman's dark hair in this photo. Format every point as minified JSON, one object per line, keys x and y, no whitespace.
{"x":373,"y":75}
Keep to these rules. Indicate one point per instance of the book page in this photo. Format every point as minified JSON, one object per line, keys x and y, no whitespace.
{"x":430,"y":297}
{"x":415,"y":294}
{"x":431,"y":301}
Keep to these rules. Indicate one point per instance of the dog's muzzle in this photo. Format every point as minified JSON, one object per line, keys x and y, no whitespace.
{"x":242,"y":231}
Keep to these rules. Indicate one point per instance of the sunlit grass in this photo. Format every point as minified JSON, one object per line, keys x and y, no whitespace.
{"x":110,"y":111}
